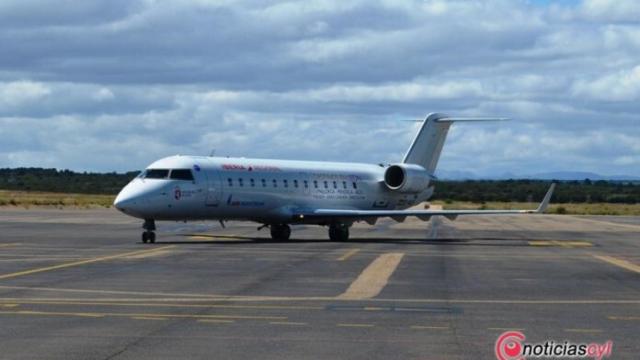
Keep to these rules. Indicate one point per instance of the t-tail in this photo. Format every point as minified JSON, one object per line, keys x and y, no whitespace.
{"x":427,"y":145}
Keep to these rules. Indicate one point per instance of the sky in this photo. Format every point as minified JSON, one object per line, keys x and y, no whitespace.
{"x":114,"y":85}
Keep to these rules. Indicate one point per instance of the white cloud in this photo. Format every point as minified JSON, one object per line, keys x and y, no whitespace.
{"x":114,"y":85}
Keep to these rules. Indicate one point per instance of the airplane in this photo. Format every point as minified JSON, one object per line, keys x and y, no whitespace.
{"x":280,"y":193}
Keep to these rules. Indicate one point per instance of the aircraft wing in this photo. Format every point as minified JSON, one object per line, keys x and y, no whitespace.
{"x":400,"y":215}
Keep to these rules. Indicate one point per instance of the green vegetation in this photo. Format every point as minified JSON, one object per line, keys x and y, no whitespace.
{"x":63,"y":181}
{"x":36,"y":198}
{"x":51,"y":187}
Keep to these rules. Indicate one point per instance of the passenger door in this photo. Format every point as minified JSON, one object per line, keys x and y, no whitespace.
{"x":214,"y":188}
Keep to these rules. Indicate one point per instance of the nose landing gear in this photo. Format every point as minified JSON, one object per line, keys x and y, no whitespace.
{"x":149,"y":235}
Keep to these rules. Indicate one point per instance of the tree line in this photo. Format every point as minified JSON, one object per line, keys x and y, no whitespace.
{"x":583,"y":191}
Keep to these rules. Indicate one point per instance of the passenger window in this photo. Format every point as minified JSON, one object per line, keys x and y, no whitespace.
{"x":344,"y":185}
{"x":306,"y":184}
{"x":326,"y":185}
{"x":286,"y":184}
{"x":354,"y":185}
{"x":156,"y":174}
{"x":315,"y":184}
{"x":253,"y":183}
{"x":181,"y":174}
{"x":275,"y":183}
{"x":295,"y":183}
{"x":264,"y":183}
{"x":335,"y":185}
{"x":230,"y":182}
{"x":240,"y":182}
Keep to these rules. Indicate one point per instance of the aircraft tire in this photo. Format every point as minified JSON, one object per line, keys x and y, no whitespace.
{"x":339,"y":232}
{"x":145,"y":237}
{"x":280,"y":232}
{"x":152,"y":237}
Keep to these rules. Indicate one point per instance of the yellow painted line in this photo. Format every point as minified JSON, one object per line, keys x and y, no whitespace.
{"x":348,"y":254}
{"x":149,"y":254}
{"x":624,"y":318}
{"x":505,"y":329}
{"x":8,"y":245}
{"x":9,"y":305}
{"x":373,"y":308}
{"x":154,"y":315}
{"x":421,"y":327}
{"x":618,"y":262}
{"x":287,"y":323}
{"x":374,"y":278}
{"x":356,"y":325}
{"x":47,"y":313}
{"x":148,"y":318}
{"x":583,"y":330}
{"x":564,"y":244}
{"x":147,"y":304}
{"x":78,"y":263}
{"x":215,"y":321}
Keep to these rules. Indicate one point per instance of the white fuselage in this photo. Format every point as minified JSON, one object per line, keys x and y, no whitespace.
{"x":265,"y":191}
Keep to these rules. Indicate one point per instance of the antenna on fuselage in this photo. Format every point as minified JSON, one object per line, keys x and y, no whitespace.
{"x":212,"y":153}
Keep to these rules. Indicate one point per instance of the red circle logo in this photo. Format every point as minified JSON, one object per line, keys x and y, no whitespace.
{"x":509,"y":346}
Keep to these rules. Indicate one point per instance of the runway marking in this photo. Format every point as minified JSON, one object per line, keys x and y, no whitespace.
{"x":153,"y":315}
{"x":583,"y":330}
{"x":355,"y":325}
{"x":147,"y":304}
{"x":564,"y":244}
{"x":624,"y":318}
{"x":147,"y":318}
{"x":373,"y":278}
{"x":8,"y":245}
{"x":147,"y":255}
{"x":505,"y":329}
{"x":288,"y":323}
{"x":618,"y":262}
{"x":348,"y":254}
{"x":47,"y":313}
{"x":215,"y":321}
{"x":422,"y":327}
{"x":82,"y":262}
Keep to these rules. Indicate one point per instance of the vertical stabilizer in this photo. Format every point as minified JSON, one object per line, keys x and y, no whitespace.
{"x":427,"y":145}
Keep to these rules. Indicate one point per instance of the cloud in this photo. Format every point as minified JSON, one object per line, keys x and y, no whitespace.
{"x":113,"y":85}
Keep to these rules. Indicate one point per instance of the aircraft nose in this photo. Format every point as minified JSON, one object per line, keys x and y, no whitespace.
{"x":130,"y":200}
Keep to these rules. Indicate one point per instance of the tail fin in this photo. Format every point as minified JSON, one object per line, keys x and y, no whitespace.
{"x":427,"y":145}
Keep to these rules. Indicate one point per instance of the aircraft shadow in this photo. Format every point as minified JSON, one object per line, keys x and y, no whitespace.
{"x":243,"y":240}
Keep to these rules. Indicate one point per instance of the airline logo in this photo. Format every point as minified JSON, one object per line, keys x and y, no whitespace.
{"x":239,"y":167}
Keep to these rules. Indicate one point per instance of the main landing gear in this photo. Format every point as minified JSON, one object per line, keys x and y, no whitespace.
{"x":149,"y":235}
{"x":339,"y":232}
{"x":280,"y":232}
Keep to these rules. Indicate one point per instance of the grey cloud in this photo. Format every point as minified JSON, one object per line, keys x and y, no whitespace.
{"x":113,"y":85}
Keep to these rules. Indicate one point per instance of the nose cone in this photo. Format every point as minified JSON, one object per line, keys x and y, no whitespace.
{"x":131,"y":200}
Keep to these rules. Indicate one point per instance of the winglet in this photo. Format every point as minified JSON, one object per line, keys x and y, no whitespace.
{"x":545,"y":202}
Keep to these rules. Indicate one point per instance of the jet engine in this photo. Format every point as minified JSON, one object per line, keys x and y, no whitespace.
{"x":406,"y":178}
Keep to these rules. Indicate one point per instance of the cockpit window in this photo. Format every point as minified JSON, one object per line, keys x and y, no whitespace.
{"x":181,"y":174}
{"x":156,"y":174}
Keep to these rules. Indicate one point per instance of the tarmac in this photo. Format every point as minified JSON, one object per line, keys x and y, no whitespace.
{"x":79,"y":284}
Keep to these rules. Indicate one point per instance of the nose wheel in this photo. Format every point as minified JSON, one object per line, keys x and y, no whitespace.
{"x":149,"y":236}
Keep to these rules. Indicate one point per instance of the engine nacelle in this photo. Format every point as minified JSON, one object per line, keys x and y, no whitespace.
{"x":406,"y":178}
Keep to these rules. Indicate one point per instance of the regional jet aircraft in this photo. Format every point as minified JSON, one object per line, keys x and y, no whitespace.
{"x":279,"y":193}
